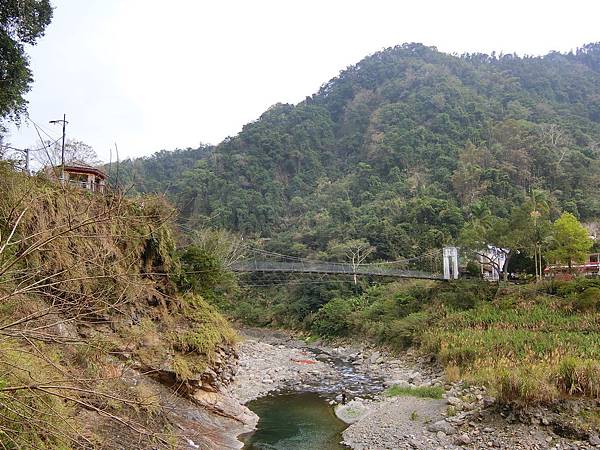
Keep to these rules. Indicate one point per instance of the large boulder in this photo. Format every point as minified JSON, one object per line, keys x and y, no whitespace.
{"x":352,"y":411}
{"x":443,"y":426}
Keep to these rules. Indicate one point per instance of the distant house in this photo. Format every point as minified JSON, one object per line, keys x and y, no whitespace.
{"x":490,"y":260}
{"x":591,"y":267}
{"x":81,"y":174}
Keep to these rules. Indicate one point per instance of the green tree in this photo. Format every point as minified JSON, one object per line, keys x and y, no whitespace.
{"x":570,"y":240}
{"x":538,"y":206}
{"x":21,"y":22}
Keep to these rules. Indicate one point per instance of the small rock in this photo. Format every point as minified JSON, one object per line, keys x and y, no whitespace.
{"x":442,"y":425}
{"x":414,"y":376}
{"x":401,"y":383}
{"x":352,"y":411}
{"x":488,"y":401}
{"x":453,"y":401}
{"x":374,"y":357}
{"x":545,"y":420}
{"x":594,"y":439}
{"x":463,"y":439}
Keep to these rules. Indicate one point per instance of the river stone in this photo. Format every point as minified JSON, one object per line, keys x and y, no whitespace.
{"x":463,"y":439}
{"x":442,"y":425}
{"x":374,"y":357}
{"x":352,"y":411}
{"x":413,"y":377}
{"x":453,"y":401}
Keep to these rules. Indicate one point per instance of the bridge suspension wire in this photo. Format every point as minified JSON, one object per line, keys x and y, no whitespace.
{"x":427,"y":265}
{"x":297,"y":283}
{"x":313,"y":261}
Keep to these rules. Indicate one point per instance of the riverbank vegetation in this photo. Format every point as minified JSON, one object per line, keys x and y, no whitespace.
{"x":422,"y":392}
{"x":530,"y":343}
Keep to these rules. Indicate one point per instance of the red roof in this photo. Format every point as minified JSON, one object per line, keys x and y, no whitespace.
{"x":82,"y":167}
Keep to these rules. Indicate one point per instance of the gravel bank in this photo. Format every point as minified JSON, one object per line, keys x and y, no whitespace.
{"x":264,"y":368}
{"x":414,"y":423}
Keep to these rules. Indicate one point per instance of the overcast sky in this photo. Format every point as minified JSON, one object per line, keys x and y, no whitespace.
{"x":154,"y":75}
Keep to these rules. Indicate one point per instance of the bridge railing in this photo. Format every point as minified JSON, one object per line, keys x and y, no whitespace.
{"x":330,"y":268}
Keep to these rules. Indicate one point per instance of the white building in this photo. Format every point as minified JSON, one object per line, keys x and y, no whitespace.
{"x":490,"y":260}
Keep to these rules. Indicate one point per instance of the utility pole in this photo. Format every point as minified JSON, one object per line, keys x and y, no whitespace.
{"x":27,"y":161}
{"x":62,"y":159}
{"x":118,"y":164}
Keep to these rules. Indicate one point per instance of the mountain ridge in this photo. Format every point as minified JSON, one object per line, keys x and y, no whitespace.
{"x":398,"y":149}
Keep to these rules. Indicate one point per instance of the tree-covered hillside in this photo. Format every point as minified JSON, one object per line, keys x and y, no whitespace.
{"x":402,"y":150}
{"x":156,"y":173}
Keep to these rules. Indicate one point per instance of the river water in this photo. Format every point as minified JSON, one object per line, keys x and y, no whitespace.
{"x":304,"y":420}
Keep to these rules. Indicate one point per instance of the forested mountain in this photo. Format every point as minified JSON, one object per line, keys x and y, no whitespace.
{"x":155,"y":173}
{"x":401,"y":150}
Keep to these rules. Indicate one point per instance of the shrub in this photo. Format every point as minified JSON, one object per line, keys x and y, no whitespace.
{"x":525,"y":384}
{"x":452,"y":373}
{"x":208,"y":331}
{"x":201,"y":270}
{"x":333,"y":319}
{"x":465,"y":294}
{"x":588,"y":300}
{"x":579,"y":376}
{"x":569,"y":288}
{"x":403,"y":333}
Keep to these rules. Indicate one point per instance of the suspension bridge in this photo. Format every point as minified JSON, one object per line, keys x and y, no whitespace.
{"x":433,"y":265}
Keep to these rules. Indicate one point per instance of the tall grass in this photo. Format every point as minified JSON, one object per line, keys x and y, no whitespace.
{"x":530,"y":345}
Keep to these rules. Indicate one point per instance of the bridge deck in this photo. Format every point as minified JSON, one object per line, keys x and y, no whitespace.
{"x":331,"y":268}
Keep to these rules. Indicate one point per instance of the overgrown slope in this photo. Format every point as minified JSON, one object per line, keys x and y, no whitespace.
{"x":94,"y":330}
{"x":530,"y":344}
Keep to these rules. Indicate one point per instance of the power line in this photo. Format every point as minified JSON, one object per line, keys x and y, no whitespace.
{"x":16,"y":149}
{"x":43,"y":130}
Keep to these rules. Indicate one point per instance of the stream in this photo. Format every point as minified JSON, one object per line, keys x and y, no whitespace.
{"x":295,"y":421}
{"x":303,"y":418}
{"x":291,"y":387}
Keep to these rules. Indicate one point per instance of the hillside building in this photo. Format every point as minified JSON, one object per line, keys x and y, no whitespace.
{"x":81,"y":174}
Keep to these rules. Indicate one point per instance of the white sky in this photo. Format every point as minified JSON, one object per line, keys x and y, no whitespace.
{"x":154,"y":75}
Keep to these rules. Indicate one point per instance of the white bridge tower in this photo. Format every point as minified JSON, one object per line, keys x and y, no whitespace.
{"x":450,"y":263}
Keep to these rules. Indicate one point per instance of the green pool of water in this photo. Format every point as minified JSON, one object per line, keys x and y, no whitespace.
{"x":294,"y":421}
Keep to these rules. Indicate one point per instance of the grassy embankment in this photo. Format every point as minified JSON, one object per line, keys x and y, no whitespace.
{"x":89,"y":296}
{"x":529,"y":344}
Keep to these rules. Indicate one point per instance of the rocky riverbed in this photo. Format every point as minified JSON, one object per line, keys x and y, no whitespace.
{"x":465,"y":418}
